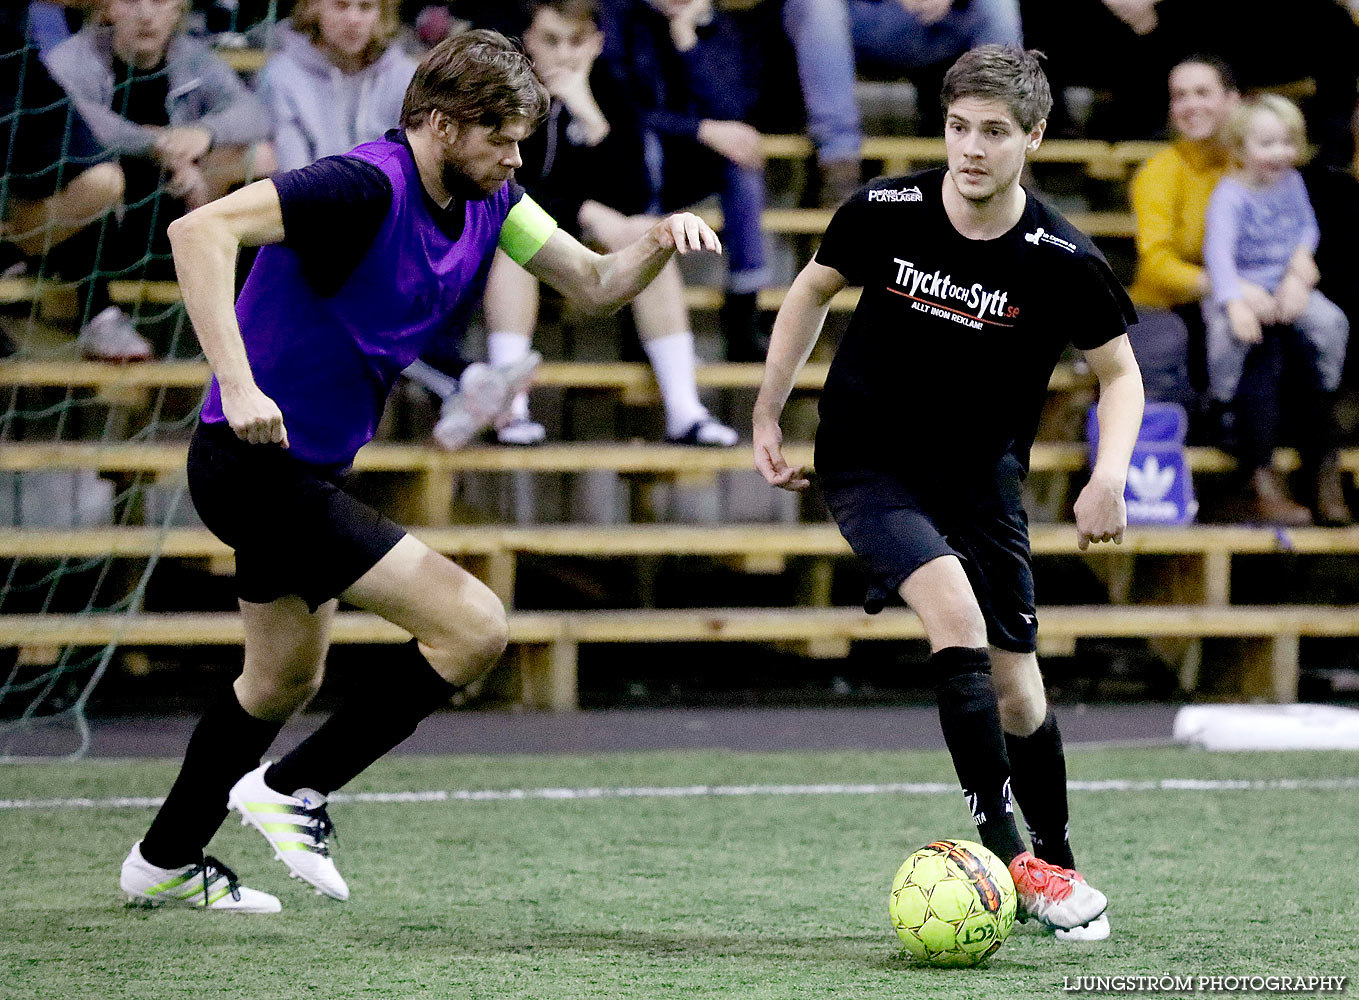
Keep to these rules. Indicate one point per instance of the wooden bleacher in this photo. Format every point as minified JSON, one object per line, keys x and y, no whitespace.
{"x":813,"y":222}
{"x":1206,"y":551}
{"x":134,"y":293}
{"x":547,"y":643}
{"x":633,"y":380}
{"x":580,"y":456}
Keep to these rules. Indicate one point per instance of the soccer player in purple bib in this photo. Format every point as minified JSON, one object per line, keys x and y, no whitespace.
{"x":366,"y":259}
{"x":972,"y":289}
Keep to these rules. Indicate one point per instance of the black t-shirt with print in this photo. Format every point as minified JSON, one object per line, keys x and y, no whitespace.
{"x":943,"y":372}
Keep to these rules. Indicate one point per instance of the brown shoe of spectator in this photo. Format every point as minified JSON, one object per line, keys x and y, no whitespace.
{"x":1272,"y":503}
{"x":1331,"y":509}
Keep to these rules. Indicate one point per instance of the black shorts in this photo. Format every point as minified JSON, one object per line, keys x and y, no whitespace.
{"x":895,"y":528}
{"x":295,"y":531}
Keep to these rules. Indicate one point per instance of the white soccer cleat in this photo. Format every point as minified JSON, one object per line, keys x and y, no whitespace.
{"x":296,"y":826}
{"x":485,"y":394}
{"x":207,"y":885}
{"x":1096,"y":930}
{"x":1054,"y":896}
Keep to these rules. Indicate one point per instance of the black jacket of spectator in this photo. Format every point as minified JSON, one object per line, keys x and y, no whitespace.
{"x":718,"y":78}
{"x":561,"y":173}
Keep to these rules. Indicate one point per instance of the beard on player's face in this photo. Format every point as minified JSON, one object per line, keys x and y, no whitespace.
{"x":464,"y":187}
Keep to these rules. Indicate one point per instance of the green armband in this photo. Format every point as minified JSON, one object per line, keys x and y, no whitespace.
{"x":526,"y":229}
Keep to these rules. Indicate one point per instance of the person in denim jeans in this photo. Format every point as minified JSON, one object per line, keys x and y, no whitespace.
{"x":819,"y":31}
{"x":921,"y":38}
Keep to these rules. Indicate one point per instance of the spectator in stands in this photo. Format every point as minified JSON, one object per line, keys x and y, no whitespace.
{"x":1119,"y":49}
{"x":819,"y":33}
{"x":56,"y":179}
{"x":585,"y":166}
{"x":1265,"y":315}
{"x":1169,"y":198}
{"x":694,"y":77}
{"x":338,"y":81}
{"x":920,"y":39}
{"x":182,"y":122}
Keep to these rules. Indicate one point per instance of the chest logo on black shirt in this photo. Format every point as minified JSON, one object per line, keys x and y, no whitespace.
{"x":1041,"y":235}
{"x":937,"y":294}
{"x":896,"y":194}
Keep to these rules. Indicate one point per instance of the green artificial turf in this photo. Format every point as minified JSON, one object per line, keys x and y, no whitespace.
{"x":748,"y":896}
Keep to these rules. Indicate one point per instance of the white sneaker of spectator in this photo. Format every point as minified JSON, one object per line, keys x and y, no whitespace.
{"x":485,"y":393}
{"x":521,"y":432}
{"x":111,"y":336}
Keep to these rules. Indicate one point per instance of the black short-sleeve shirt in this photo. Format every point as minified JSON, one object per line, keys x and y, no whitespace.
{"x":944,"y":369}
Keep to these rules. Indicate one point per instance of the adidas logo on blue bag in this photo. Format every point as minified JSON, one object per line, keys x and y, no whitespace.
{"x":1160,"y":490}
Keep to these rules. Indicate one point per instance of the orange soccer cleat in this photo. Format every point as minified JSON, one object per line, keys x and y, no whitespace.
{"x":1057,"y":897}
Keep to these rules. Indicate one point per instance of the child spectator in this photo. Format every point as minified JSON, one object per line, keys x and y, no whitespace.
{"x":585,"y":166}
{"x":1265,"y":313}
{"x":182,"y":122}
{"x":338,"y":81}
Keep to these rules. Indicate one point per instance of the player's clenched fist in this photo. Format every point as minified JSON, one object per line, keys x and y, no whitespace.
{"x":253,"y":416}
{"x":1101,"y":514}
{"x":685,"y":231}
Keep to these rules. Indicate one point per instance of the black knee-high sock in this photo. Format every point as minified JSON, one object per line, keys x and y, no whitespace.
{"x":365,"y":728}
{"x":970,"y":718}
{"x":227,"y":743}
{"x":1038,"y":769}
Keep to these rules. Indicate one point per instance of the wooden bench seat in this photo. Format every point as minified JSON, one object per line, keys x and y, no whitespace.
{"x":1203,"y":575}
{"x":634,"y":380}
{"x":431,"y":474}
{"x":813,"y":222}
{"x":547,"y":643}
{"x":577,"y":456}
{"x":141,"y":293}
{"x":607,"y":541}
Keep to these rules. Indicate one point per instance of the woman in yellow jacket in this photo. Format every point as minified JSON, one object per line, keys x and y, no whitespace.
{"x":1169,"y":198}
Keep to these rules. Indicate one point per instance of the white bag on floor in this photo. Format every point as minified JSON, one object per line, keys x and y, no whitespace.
{"x":1268,"y":727}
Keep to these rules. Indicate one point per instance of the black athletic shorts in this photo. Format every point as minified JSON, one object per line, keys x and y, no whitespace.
{"x":294,"y":529}
{"x":896,"y":527}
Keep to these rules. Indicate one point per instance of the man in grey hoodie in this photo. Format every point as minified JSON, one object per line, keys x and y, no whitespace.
{"x":183,"y":124}
{"x":337,"y":82}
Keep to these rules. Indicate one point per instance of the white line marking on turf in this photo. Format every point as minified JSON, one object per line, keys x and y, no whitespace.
{"x":737,"y":791}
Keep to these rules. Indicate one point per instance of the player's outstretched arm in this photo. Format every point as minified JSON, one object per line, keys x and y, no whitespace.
{"x":205,"y":244}
{"x":1101,"y":514}
{"x":604,"y":283}
{"x":796,"y":328}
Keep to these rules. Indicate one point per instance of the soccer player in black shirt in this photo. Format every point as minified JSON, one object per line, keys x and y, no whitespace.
{"x":972,"y":289}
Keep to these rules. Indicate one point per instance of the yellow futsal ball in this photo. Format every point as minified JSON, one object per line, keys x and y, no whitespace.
{"x":953,"y":903}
